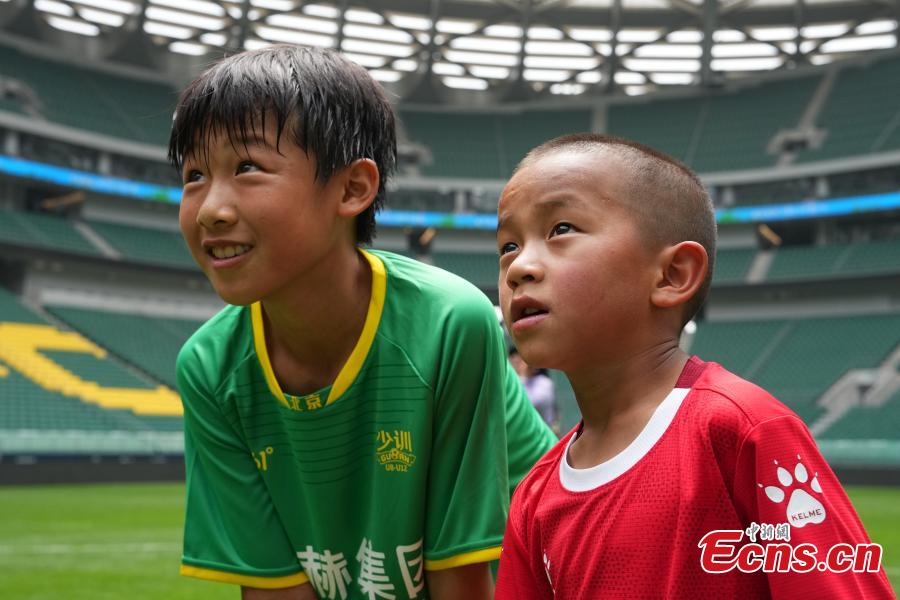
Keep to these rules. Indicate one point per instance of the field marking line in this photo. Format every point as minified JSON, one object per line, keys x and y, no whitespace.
{"x":32,"y":549}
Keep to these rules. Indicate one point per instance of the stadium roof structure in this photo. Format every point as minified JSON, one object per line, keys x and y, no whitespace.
{"x":513,"y":49}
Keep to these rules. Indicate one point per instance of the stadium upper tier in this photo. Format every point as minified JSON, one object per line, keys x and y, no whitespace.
{"x":731,"y":129}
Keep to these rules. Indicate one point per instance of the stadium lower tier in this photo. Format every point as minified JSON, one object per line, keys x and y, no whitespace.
{"x":108,"y":386}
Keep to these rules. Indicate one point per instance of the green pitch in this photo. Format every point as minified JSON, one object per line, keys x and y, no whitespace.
{"x":98,"y":542}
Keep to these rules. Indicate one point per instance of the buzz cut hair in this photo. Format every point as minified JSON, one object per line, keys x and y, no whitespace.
{"x":326,"y":104}
{"x":667,"y":197}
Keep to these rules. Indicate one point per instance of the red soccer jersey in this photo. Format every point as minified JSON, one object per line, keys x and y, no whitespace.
{"x":719,"y":453}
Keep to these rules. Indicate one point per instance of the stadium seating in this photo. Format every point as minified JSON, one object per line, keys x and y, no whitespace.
{"x":88,"y":99}
{"x":61,"y":393}
{"x":145,"y":245}
{"x":486,"y":145}
{"x":732,"y":264}
{"x":717,"y":132}
{"x":868,"y":422}
{"x":858,"y":116}
{"x":481,"y":268}
{"x":42,"y":231}
{"x":835,"y":260}
{"x":149,"y":343}
{"x":798,"y":359}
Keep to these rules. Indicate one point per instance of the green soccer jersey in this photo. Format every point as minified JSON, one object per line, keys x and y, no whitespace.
{"x":405,"y":463}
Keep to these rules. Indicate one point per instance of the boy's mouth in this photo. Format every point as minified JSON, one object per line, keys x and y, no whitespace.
{"x":526,"y":308}
{"x":221,"y":252}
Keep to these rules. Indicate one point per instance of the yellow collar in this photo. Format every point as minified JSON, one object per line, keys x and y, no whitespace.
{"x":353,"y":365}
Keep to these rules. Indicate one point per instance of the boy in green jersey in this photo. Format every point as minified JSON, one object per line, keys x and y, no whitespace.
{"x":352,"y":426}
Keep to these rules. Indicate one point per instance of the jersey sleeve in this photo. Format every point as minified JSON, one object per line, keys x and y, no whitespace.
{"x":520,"y":577}
{"x":468,"y":490}
{"x":231,"y":533}
{"x":528,"y":436}
{"x":781,"y":477}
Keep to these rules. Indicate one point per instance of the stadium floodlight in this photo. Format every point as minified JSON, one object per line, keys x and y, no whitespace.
{"x":456,"y":27}
{"x":590,"y":35}
{"x":363,"y":16}
{"x":166,"y":30}
{"x":482,"y":58}
{"x":321,"y":10}
{"x":196,"y":6}
{"x":774,"y":34}
{"x":743,"y":50}
{"x":101,"y":17}
{"x":859,"y":44}
{"x":638,"y":36}
{"x":385,"y":75}
{"x":559,"y":48}
{"x":561,"y":62}
{"x":383,"y":48}
{"x":630,"y":78}
{"x":273,"y":4}
{"x":664,"y":50}
{"x":685,"y":36}
{"x":378,"y":34}
{"x":489,"y":72}
{"x":306,"y":23}
{"x":544,"y":33}
{"x":54,"y":7}
{"x":406,"y":65}
{"x":828,"y":30}
{"x":546,"y":75}
{"x":410,"y":22}
{"x":747,"y":64}
{"x":188,"y":48}
{"x":119,"y":6}
{"x":289,"y":36}
{"x":589,"y":77}
{"x":465,"y":83}
{"x":452,"y":69}
{"x":874,"y":27}
{"x":673,"y":78}
{"x":568,"y":89}
{"x":504,"y":31}
{"x":486,"y":44}
{"x":73,"y":26}
{"x":650,"y":65}
{"x":725,"y":36}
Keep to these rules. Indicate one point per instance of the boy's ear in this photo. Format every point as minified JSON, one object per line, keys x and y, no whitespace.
{"x":682,"y":271}
{"x":361,"y":180}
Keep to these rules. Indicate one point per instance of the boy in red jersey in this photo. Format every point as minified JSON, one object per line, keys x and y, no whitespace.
{"x":682,"y":480}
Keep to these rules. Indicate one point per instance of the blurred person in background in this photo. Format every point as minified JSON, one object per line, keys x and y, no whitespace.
{"x":539,"y":387}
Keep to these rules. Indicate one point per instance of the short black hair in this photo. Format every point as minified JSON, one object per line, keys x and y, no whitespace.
{"x":329,"y":106}
{"x":669,"y":199}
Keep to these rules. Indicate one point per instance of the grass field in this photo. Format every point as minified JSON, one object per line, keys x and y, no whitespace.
{"x":103,"y":542}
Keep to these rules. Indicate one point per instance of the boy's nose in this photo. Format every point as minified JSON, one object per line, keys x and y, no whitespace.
{"x":524,"y":268}
{"x":217,"y":211}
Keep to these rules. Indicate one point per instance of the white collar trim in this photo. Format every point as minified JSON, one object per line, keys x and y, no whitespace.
{"x":583,"y":480}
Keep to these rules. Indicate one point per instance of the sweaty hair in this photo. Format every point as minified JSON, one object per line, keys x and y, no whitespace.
{"x":668,"y":198}
{"x":326,"y":104}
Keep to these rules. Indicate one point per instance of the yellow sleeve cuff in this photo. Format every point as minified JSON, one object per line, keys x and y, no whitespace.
{"x":460,"y":560}
{"x":267,"y":583}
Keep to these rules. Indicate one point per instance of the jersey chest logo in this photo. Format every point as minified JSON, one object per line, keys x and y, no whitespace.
{"x":802,"y":508}
{"x":394,"y":450}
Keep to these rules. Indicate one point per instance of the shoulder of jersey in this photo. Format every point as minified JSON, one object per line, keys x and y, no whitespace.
{"x":408,"y":276}
{"x":220,"y":326}
{"x":729,"y":396}
{"x":543,"y":470}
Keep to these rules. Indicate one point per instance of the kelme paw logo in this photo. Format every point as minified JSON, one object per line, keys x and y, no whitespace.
{"x":802,"y":507}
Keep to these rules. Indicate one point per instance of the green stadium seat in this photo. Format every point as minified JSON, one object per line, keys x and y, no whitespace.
{"x":858,"y":116}
{"x":732,"y":264}
{"x":868,"y":422}
{"x":797,"y":360}
{"x":142,"y":244}
{"x":148,"y":343}
{"x":42,"y":231}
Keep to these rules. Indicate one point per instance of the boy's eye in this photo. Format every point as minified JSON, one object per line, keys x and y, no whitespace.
{"x":246,"y":167}
{"x":561,"y":228}
{"x":192,"y":176}
{"x":507,"y":247}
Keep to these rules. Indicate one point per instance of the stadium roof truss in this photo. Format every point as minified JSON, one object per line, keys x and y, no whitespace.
{"x":515,"y":48}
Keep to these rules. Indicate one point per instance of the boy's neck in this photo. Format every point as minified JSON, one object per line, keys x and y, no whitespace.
{"x":618,"y":399}
{"x":312,"y":328}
